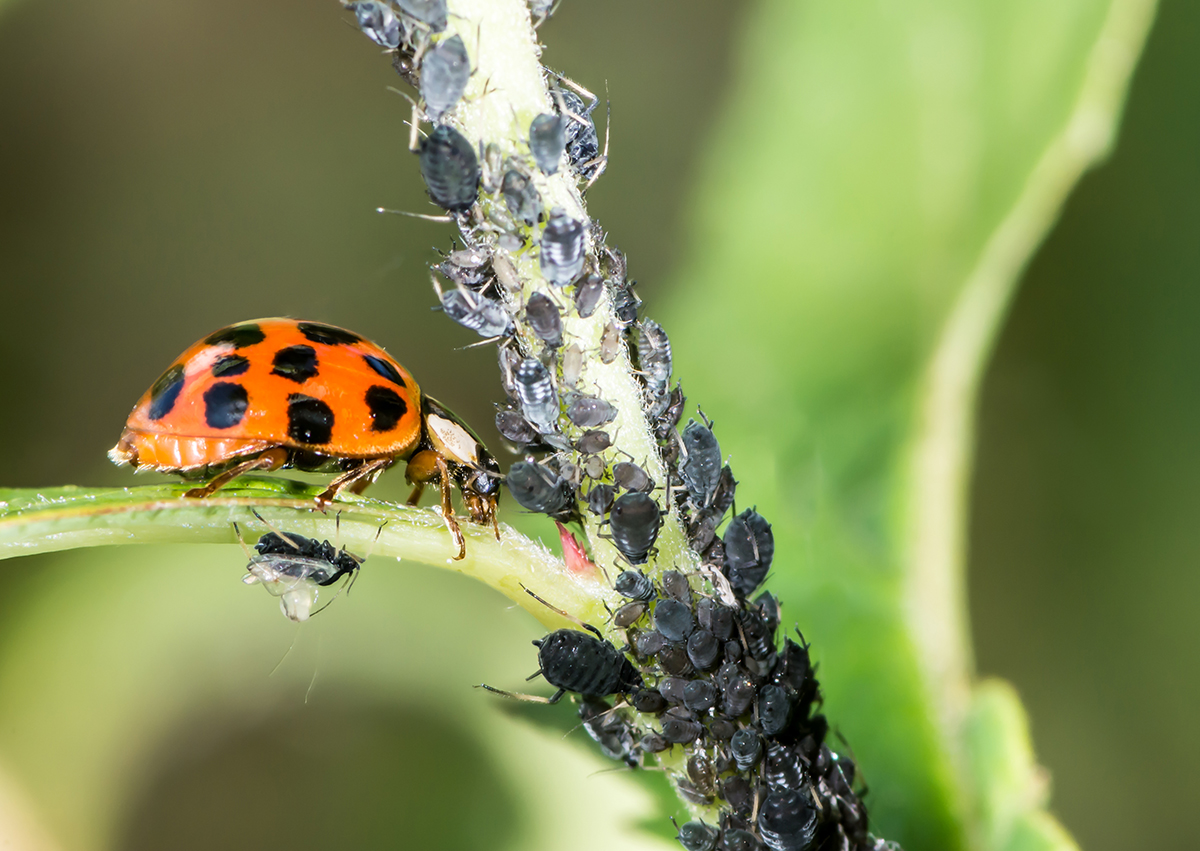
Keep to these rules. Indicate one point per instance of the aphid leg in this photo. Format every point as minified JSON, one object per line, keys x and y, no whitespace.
{"x":601,"y":162}
{"x":530,"y":698}
{"x":424,"y":216}
{"x":569,"y":617}
{"x":272,"y":459}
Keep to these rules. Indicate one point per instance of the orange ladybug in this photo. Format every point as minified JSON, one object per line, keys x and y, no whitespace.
{"x":275,"y":393}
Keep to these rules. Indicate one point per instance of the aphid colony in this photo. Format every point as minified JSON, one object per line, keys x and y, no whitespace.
{"x":700,"y":667}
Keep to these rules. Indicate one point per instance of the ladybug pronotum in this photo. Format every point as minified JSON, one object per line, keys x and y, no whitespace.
{"x":275,"y":393}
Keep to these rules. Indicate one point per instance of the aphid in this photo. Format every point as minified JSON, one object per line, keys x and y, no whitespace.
{"x":715,"y":618}
{"x":610,"y":343}
{"x":547,"y":141}
{"x":735,"y":839}
{"x":746,"y":748}
{"x":625,"y":302}
{"x":768,"y":609}
{"x":629,"y":614}
{"x":631,"y":477}
{"x":562,"y":250}
{"x":588,"y":294}
{"x":759,"y":641}
{"x":648,"y":643}
{"x":672,"y":689}
{"x":613,"y":734}
{"x":575,"y":661}
{"x":700,"y":772}
{"x":783,"y":769}
{"x":492,"y":168}
{"x":592,"y":442}
{"x":736,"y":790}
{"x":749,"y":548}
{"x":294,"y":569}
{"x":572,"y":364}
{"x":664,"y":426}
{"x":541,"y":10}
{"x":468,"y":267}
{"x":702,"y":465}
{"x":485,"y":316}
{"x":703,"y":649}
{"x":512,"y":426}
{"x":593,"y":466}
{"x":535,"y":390}
{"x":538,"y":488}
{"x":276,"y":393}
{"x":675,"y":584}
{"x":600,"y":499}
{"x":702,"y":531}
{"x":590,"y":411}
{"x":654,"y":743}
{"x":680,"y":727}
{"x":722,"y":729}
{"x":450,"y":169}
{"x":674,"y":620}
{"x":445,"y":71}
{"x":378,"y":22}
{"x":775,"y":705}
{"x":698,"y":836}
{"x":700,"y":695}
{"x":786,"y":821}
{"x":798,"y":672}
{"x":635,"y":585}
{"x":674,"y":660}
{"x":635,"y":520}
{"x":583,"y":144}
{"x":521,"y":197}
{"x":737,"y":690}
{"x":649,"y":701}
{"x":544,"y":319}
{"x":430,"y":12}
{"x":654,"y":362}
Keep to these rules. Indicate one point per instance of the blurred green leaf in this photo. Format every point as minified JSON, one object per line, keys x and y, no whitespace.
{"x":880,"y":179}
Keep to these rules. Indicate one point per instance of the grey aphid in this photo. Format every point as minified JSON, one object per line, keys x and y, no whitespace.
{"x":702,"y":469}
{"x":378,"y":22}
{"x":484,"y":316}
{"x":429,"y":12}
{"x":572,"y":364}
{"x":535,"y":390}
{"x":445,"y":71}
{"x":562,"y":249}
{"x":544,"y":319}
{"x":450,"y":169}
{"x":583,"y":144}
{"x":521,"y":197}
{"x":547,"y":141}
{"x":588,"y":294}
{"x":654,"y":362}
{"x":590,"y":411}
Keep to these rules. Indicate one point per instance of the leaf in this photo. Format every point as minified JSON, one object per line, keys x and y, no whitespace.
{"x":879,"y":181}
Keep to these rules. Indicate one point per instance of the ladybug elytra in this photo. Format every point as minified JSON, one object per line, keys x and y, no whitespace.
{"x":276,"y":393}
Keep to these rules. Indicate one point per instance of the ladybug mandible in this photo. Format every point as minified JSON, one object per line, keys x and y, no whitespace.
{"x":275,"y":393}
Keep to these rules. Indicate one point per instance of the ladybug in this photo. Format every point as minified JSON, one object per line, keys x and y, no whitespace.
{"x":276,"y":393}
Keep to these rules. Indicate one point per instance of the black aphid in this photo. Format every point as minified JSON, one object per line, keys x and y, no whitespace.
{"x":746,"y":748}
{"x":702,"y":465}
{"x":614,"y":734}
{"x":698,"y":836}
{"x":544,"y":319}
{"x":450,"y":169}
{"x":700,"y":695}
{"x":664,"y":425}
{"x":378,"y":22}
{"x":635,"y":519}
{"x":703,"y":649}
{"x":648,"y":643}
{"x":749,"y":548}
{"x":625,"y":301}
{"x":600,"y":499}
{"x":787,"y":821}
{"x":783,"y":769}
{"x":672,"y":689}
{"x":760,"y":641}
{"x":675,"y":584}
{"x":576,"y":661}
{"x":538,"y":488}
{"x":590,"y":411}
{"x":680,"y":726}
{"x":631,"y":477}
{"x":485,"y":316}
{"x":562,"y":249}
{"x":583,"y":144}
{"x":514,"y":427}
{"x":591,"y":442}
{"x":433,"y":13}
{"x":674,"y":660}
{"x":654,"y":363}
{"x":535,"y":390}
{"x":648,"y":701}
{"x":292,"y":568}
{"x":445,"y":71}
{"x":715,"y":618}
{"x":737,"y":689}
{"x":521,"y":197}
{"x":547,"y":141}
{"x":674,"y":620}
{"x":775,"y":705}
{"x":588,"y":294}
{"x":736,"y":839}
{"x":635,"y":585}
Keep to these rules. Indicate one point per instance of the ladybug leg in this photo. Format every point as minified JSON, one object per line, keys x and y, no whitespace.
{"x":355,"y":479}
{"x":427,"y":467}
{"x":272,"y":459}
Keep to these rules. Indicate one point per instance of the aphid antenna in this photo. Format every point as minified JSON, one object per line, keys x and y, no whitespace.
{"x":569,"y":617}
{"x":246,"y":549}
{"x":601,"y":161}
{"x":528,"y":698}
{"x":757,"y":802}
{"x":284,"y":535}
{"x":424,"y":216}
{"x":708,"y":424}
{"x":486,"y":342}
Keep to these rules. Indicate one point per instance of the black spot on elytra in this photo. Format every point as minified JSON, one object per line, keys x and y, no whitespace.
{"x":230,"y":365}
{"x":225,"y":404}
{"x":296,"y":363}
{"x":239,"y":336}
{"x":385,"y":369}
{"x":309,"y":420}
{"x":327,"y":334}
{"x":386,"y":408}
{"x":165,"y":391}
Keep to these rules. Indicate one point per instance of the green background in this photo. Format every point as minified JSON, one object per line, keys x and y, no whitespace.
{"x":172,"y":167}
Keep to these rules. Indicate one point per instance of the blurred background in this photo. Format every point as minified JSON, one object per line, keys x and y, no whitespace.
{"x":170,"y":168}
